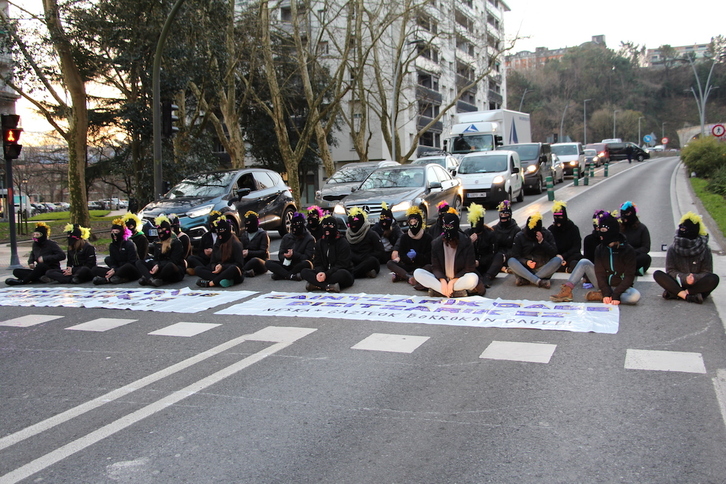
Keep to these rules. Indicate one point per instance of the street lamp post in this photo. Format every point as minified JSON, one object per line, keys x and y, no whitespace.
{"x":521,"y":101}
{"x":584,"y":121}
{"x":642,"y":117}
{"x":615,"y":114}
{"x":662,"y":132}
{"x":703,"y":92}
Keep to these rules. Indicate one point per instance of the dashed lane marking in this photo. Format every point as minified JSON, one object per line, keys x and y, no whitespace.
{"x":396,"y":343}
{"x":664,"y":361}
{"x":184,"y":329}
{"x":513,"y":351}
{"x":29,"y":320}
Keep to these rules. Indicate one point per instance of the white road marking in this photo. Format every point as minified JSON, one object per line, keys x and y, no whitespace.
{"x":396,"y":343}
{"x":102,"y":324}
{"x":184,"y":330}
{"x":29,"y":320}
{"x":681,"y":361}
{"x":719,"y":385}
{"x":514,"y":351}
{"x":288,"y":336}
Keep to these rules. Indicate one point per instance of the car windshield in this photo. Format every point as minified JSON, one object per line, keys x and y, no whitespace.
{"x":425,"y":161}
{"x":394,"y":178}
{"x":206,"y":185}
{"x":526,"y":152}
{"x":350,"y":174}
{"x":564,"y":150}
{"x":483,"y":164}
{"x":479,"y":142}
{"x":590,"y":152}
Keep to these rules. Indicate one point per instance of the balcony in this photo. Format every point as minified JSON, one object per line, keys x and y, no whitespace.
{"x":428,"y":95}
{"x":462,"y":82}
{"x":422,"y":121}
{"x":465,"y":107}
{"x":495,"y":97}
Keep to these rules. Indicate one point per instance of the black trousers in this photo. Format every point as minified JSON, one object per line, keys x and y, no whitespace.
{"x":232,"y":273}
{"x":31,"y":275}
{"x":83,"y":273}
{"x":703,"y":286}
{"x":169,"y":273}
{"x":362,"y":268}
{"x":283,"y":271}
{"x":341,"y":277}
{"x":126,"y":271}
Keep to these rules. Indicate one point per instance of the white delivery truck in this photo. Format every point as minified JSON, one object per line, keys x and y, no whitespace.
{"x":485,"y":130}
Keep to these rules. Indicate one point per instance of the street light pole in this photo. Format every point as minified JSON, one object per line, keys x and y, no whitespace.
{"x":642,"y":117}
{"x":662,"y":132}
{"x":615,"y":113}
{"x":703,"y":93}
{"x":584,"y":121}
{"x":521,"y":101}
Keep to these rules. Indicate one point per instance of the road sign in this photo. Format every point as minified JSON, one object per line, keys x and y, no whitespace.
{"x":664,"y":141}
{"x":718,"y":130}
{"x":647,"y":138}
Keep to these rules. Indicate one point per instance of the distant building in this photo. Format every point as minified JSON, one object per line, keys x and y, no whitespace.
{"x":532,"y":60}
{"x":8,"y":96}
{"x":653,"y":57}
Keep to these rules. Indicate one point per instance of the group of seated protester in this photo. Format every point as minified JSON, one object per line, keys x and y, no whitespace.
{"x":442,"y":259}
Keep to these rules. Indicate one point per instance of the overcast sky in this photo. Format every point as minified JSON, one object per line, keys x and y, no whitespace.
{"x":567,"y":23}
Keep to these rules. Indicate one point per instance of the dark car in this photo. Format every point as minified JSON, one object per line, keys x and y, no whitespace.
{"x":536,"y":161}
{"x":344,"y":181}
{"x":403,"y":187}
{"x":233,"y":193}
{"x":620,"y":151}
{"x":603,"y":153}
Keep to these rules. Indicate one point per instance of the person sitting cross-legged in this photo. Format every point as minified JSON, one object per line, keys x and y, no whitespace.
{"x":366,"y":248}
{"x":534,"y":254}
{"x":225,"y":264}
{"x":412,"y":250}
{"x":332,"y":264}
{"x":121,"y":260}
{"x":295,"y":253}
{"x":80,"y":260}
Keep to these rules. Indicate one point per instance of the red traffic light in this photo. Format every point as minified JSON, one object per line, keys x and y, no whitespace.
{"x":12,"y":136}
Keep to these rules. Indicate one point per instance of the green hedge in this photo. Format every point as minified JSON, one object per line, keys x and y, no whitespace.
{"x":705,"y":157}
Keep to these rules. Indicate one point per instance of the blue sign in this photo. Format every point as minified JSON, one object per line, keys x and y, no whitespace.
{"x":647,"y":138}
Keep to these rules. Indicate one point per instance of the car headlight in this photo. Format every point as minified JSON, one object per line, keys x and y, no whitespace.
{"x":401,"y":207}
{"x":595,"y":158}
{"x":339,"y":210}
{"x":318,"y":193}
{"x":498,"y":179}
{"x":200,"y":211}
{"x":573,"y":163}
{"x":531,"y":168}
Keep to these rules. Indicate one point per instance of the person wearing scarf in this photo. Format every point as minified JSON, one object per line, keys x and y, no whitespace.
{"x":388,"y":231}
{"x":295,"y":252}
{"x":121,"y":261}
{"x":45,"y":255}
{"x":226,"y":262}
{"x":453,"y":263}
{"x":133,"y":223}
{"x":206,"y":244}
{"x":567,"y":237}
{"x":534,"y":254}
{"x":256,"y":246}
{"x":504,"y":232}
{"x":366,"y":247}
{"x":614,"y":265}
{"x":167,"y":264}
{"x":315,"y":215}
{"x":80,"y":260}
{"x":485,"y":245}
{"x":689,"y":263}
{"x":637,"y":235}
{"x":412,"y":250}
{"x":332,"y":261}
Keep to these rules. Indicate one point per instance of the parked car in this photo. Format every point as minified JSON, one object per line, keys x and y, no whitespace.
{"x":233,"y":193}
{"x":95,"y":205}
{"x":571,"y":155}
{"x":402,"y":187}
{"x":558,"y":170}
{"x":39,"y":208}
{"x":50,"y":206}
{"x":488,"y":177}
{"x":343,"y":181}
{"x":536,"y":161}
{"x":591,"y":157}
{"x":447,"y":161}
{"x":603,"y":153}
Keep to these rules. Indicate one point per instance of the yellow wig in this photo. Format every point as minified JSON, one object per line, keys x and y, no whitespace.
{"x":85,"y":232}
{"x":43,"y":224}
{"x":558,"y":205}
{"x":132,"y":216}
{"x":696,"y":219}
{"x":533,"y":219}
{"x":476,"y":213}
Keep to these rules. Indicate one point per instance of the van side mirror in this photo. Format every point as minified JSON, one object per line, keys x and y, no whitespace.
{"x":435,"y":184}
{"x":242,"y":192}
{"x":515,"y":170}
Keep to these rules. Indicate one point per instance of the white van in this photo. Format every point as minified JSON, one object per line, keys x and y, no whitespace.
{"x":571,"y":155}
{"x":491,"y":176}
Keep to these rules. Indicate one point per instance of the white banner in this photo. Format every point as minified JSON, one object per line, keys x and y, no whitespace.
{"x":182,"y":300}
{"x":468,"y":311}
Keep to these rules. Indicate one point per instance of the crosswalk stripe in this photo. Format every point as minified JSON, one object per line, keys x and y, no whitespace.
{"x":184,"y":329}
{"x":102,"y":324}
{"x":29,"y":320}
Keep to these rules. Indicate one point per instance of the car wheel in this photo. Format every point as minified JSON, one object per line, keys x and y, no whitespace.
{"x":640,"y":158}
{"x":286,"y":221}
{"x":540,"y":186}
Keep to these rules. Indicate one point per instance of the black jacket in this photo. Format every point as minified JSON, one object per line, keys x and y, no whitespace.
{"x":393,"y":235}
{"x":142,"y":245}
{"x":175,"y":254}
{"x":50,"y":251}
{"x":422,"y":247}
{"x":638,"y":236}
{"x":615,"y":268}
{"x":257,"y":245}
{"x":525,"y":248}
{"x":370,"y":245}
{"x":236,"y":258}
{"x":121,"y":253}
{"x":302,"y":248}
{"x":568,"y":240}
{"x":485,"y":247}
{"x":86,"y":257}
{"x":332,"y":256}
{"x":505,"y":237}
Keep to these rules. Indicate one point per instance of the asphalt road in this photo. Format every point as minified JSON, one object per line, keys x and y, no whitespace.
{"x":260,"y":399}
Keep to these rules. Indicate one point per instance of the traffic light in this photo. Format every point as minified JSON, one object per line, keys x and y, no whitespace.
{"x":11,"y":136}
{"x":498,"y":141}
{"x":169,"y":118}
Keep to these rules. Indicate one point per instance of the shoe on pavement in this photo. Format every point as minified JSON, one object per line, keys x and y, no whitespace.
{"x":100,"y":280}
{"x":14,"y":282}
{"x":226,"y":282}
{"x":156,"y":282}
{"x":461,"y":293}
{"x":433,"y":293}
{"x":333,"y":287}
{"x":296,"y":277}
{"x":191,"y":271}
{"x":544,"y":283}
{"x":372,"y":274}
{"x":76,"y":280}
{"x":46,"y":279}
{"x":695,"y":298}
{"x":117,"y":280}
{"x":565,"y":294}
{"x":520,"y":281}
{"x":250,"y":273}
{"x":594,"y":296}
{"x":203,"y":283}
{"x":396,"y":278}
{"x":312,"y":287}
{"x":668,"y":295}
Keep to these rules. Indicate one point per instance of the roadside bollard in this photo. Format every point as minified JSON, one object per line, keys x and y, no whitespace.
{"x":592,"y":170}
{"x":605,"y":174}
{"x":587,"y":175}
{"x":576,"y":175}
{"x":550,"y":189}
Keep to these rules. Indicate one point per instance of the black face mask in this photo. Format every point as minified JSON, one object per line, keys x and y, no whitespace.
{"x":298,"y":229}
{"x":609,"y":236}
{"x":628,"y":218}
{"x":252,"y":224}
{"x":330,"y":231}
{"x":505,"y":218}
{"x":414,"y":225}
{"x":559,"y":220}
{"x":356,"y":224}
{"x":116,"y":237}
{"x":313,"y":222}
{"x":131,"y":226}
{"x":164,"y":234}
{"x":386,"y":223}
{"x":689,"y":230}
{"x":224,"y":234}
{"x":40,"y":240}
{"x":72,"y":241}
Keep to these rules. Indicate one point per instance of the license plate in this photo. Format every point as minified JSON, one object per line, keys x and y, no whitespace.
{"x":477,"y":195}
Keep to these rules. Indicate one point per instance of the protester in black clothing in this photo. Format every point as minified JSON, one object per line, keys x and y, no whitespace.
{"x":133,"y":223}
{"x":504,"y":232}
{"x":167,"y":264}
{"x":256,"y":245}
{"x":615,"y":265}
{"x":592,"y":240}
{"x":485,"y":245}
{"x":567,"y":237}
{"x":412,"y":250}
{"x":206,"y":244}
{"x":80,"y":260}
{"x":182,"y":236}
{"x":637,"y":235}
{"x":689,"y":263}
{"x":295,"y":253}
{"x":45,"y":255}
{"x":225,"y":264}
{"x":332,"y":261}
{"x":366,"y":248}
{"x":534,"y":254}
{"x":388,"y":231}
{"x":315,"y":215}
{"x":437,"y":229}
{"x":121,"y":261}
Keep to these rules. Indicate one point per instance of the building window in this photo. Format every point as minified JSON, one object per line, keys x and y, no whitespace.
{"x":430,"y":139}
{"x":285,"y":14}
{"x":428,"y":52}
{"x":323,"y":48}
{"x":428,"y":24}
{"x":428,"y":81}
{"x":428,"y":110}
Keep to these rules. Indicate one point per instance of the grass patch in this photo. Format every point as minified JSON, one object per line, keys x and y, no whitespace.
{"x":715,"y":204}
{"x":66,"y":216}
{"x":57,"y":221}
